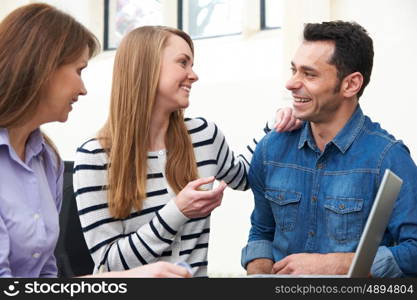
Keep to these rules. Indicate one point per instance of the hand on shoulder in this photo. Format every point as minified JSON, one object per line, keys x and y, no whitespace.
{"x":286,"y":121}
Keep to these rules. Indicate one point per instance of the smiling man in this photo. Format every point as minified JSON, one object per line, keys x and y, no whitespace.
{"x":314,"y":187}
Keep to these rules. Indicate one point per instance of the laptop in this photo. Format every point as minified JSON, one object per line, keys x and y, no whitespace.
{"x":372,"y":233}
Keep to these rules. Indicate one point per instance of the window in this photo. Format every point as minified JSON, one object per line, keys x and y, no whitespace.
{"x":271,"y":13}
{"x":121,"y":16}
{"x":210,"y":18}
{"x":199,"y":18}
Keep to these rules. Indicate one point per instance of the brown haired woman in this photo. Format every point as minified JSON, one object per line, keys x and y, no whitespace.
{"x":143,"y":186}
{"x":42,"y":54}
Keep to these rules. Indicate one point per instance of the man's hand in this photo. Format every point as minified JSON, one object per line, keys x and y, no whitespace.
{"x":259,"y":266}
{"x":314,"y":263}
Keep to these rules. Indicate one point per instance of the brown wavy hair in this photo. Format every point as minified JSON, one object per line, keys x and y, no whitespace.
{"x":126,"y":134}
{"x":35,"y":40}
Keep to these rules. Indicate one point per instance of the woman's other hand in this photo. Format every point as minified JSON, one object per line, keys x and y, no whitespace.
{"x":159,"y":269}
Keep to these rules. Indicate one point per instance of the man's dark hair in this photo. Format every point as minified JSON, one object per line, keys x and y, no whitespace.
{"x":353,"y":47}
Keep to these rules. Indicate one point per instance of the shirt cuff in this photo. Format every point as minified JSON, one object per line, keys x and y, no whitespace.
{"x":384,"y":264}
{"x":256,"y":249}
{"x":173,"y":217}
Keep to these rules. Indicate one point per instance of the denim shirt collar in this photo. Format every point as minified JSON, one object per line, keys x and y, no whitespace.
{"x":306,"y":137}
{"x":343,"y":139}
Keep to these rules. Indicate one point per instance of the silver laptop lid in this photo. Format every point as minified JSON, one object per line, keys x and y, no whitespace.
{"x":375,"y":225}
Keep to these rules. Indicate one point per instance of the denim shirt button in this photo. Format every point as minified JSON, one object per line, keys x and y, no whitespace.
{"x":320,"y":166}
{"x":311,"y":233}
{"x":342,"y":206}
{"x":314,"y":198}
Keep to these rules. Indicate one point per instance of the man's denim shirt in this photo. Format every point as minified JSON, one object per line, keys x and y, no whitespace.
{"x":312,"y":202}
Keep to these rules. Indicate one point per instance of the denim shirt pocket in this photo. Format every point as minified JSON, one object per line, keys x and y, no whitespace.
{"x":284,"y":206}
{"x":344,"y":218}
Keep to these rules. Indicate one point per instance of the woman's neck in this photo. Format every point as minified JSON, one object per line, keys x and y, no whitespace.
{"x":18,"y":137}
{"x":159,"y":129}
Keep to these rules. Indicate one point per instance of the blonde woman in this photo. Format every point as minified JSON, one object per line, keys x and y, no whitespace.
{"x":144,"y":185}
{"x":43,"y":52}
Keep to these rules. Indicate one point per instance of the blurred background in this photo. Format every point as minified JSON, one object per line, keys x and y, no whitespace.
{"x":243,"y":50}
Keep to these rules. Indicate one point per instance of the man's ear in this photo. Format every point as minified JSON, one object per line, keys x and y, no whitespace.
{"x":352,"y":84}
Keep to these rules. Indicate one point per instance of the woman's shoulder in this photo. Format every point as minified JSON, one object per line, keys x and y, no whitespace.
{"x":54,"y":159}
{"x":91,"y":152}
{"x":91,"y":146}
{"x":199,"y":125}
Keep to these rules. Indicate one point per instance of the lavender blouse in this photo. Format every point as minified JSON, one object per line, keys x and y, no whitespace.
{"x":30,"y":199}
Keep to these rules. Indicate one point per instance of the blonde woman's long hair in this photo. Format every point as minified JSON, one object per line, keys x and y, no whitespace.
{"x":35,"y":40}
{"x":126,"y":134}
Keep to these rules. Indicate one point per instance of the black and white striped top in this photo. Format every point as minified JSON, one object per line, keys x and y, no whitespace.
{"x":159,"y":232}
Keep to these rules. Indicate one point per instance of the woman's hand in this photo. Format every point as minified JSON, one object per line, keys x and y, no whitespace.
{"x":195,"y":203}
{"x":155,"y":270}
{"x":286,"y":121}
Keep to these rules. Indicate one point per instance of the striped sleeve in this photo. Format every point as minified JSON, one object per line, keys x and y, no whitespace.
{"x":110,"y":246}
{"x":231,"y":168}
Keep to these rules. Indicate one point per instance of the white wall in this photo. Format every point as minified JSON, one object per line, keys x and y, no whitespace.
{"x":8,"y":5}
{"x":242,"y":82}
{"x":390,"y":97}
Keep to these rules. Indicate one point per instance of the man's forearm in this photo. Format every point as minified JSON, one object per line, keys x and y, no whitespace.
{"x":260,"y":266}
